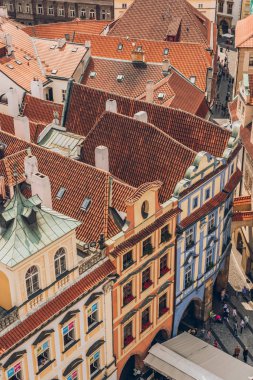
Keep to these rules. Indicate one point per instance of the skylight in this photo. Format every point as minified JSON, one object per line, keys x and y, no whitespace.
{"x":60,"y":193}
{"x":166,"y":51}
{"x":27,"y":57}
{"x":193,"y":79}
{"x":120,"y":46}
{"x":86,"y":204}
{"x":74,"y":50}
{"x":52,"y":47}
{"x":93,"y":74}
{"x":18,"y":62}
{"x":120,"y":78}
{"x":139,"y":48}
{"x":54,"y":71}
{"x":10,"y":66}
{"x":161,"y":96}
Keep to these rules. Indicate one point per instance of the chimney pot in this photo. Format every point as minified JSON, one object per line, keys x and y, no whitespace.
{"x":22,"y":128}
{"x":141,"y":116}
{"x":41,"y":186}
{"x":87,"y":44}
{"x":166,"y":67}
{"x":13,"y":105}
{"x":150,"y":91}
{"x":37,"y":88}
{"x":111,"y":105}
{"x":31,"y":166}
{"x":102,"y":158}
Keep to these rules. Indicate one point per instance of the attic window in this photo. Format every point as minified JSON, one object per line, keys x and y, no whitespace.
{"x":27,"y":57}
{"x":86,"y":204}
{"x":120,"y":46}
{"x":67,"y":37}
{"x":10,"y":66}
{"x":161,"y":96}
{"x":74,"y":50}
{"x":54,"y":71}
{"x":139,"y":48}
{"x":193,"y":79}
{"x":60,"y":193}
{"x":166,"y":51}
{"x":18,"y":62}
{"x":52,"y":47}
{"x":120,"y":78}
{"x":93,"y":74}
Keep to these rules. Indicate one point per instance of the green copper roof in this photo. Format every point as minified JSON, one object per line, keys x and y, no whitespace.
{"x":26,"y":227}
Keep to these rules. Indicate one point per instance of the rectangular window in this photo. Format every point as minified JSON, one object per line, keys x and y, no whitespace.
{"x":146,"y":279}
{"x":207,"y":193}
{"x":128,"y":334}
{"x":11,"y":7}
{"x":71,"y":12}
{"x":50,"y":10}
{"x":73,"y":376}
{"x":250,"y":61}
{"x":163,"y":305}
{"x":20,"y":8}
{"x":188,"y":277}
{"x":68,"y":333}
{"x":124,"y":6}
{"x":61,"y":11}
{"x":43,"y":355}
{"x":145,"y":319}
{"x":195,"y":202}
{"x":92,"y":315}
{"x":221,"y":5}
{"x":128,"y":293}
{"x":27,"y":8}
{"x":40,"y":9}
{"x":211,"y":223}
{"x":189,"y":238}
{"x":95,"y":363}
{"x":232,"y":169}
{"x":209,"y":259}
{"x":127,"y":260}
{"x":15,"y":372}
{"x":147,"y":247}
{"x":63,"y":95}
{"x":200,"y":5}
{"x":164,"y":265}
{"x":230,"y":8}
{"x":165,"y":234}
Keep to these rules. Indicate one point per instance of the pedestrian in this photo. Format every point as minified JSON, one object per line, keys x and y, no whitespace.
{"x":222,"y":295}
{"x":242,"y":325}
{"x":235,"y":329}
{"x":245,"y":354}
{"x":237,"y":352}
{"x":215,"y":344}
{"x":246,"y":320}
{"x":208,"y":335}
{"x":234,"y":313}
{"x":226,"y":314}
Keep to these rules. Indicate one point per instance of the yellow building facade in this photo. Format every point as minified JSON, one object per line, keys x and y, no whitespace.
{"x":120,"y":7}
{"x":245,"y":8}
{"x":207,"y":7}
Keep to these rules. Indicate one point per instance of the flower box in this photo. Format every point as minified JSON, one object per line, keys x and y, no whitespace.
{"x":163,"y":311}
{"x":128,"y":299}
{"x":163,"y":271}
{"x":127,"y":340}
{"x":166,"y":236}
{"x":146,"y":325}
{"x":147,"y":284}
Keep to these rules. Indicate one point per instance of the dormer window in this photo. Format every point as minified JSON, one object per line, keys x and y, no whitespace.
{"x":144,"y":209}
{"x":120,"y":78}
{"x":92,"y":74}
{"x":166,"y":51}
{"x":54,"y":71}
{"x":86,"y":204}
{"x":60,"y":193}
{"x":161,"y":96}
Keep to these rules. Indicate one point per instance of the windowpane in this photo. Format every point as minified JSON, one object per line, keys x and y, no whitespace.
{"x":127,"y":293}
{"x":147,"y":247}
{"x":93,"y":315}
{"x":146,"y":279}
{"x":163,"y":304}
{"x":68,"y":334}
{"x":32,"y":280}
{"x":164,"y":265}
{"x":43,"y":354}
{"x":95,"y":363}
{"x":127,"y":259}
{"x":189,"y":238}
{"x":60,"y":262}
{"x":188,"y":276}
{"x":145,"y":319}
{"x":128,"y":333}
{"x":165,"y":234}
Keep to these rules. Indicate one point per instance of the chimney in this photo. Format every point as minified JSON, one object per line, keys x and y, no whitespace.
{"x":141,"y":116}
{"x":13,"y":106}
{"x":102,"y":158}
{"x":61,"y":42}
{"x":111,"y":105}
{"x":87,"y":44}
{"x":166,"y":67}
{"x":150,"y":91}
{"x":41,"y":186}
{"x":8,"y":43}
{"x":22,"y":128}
{"x":138,"y":56}
{"x":209,"y":79}
{"x":31,"y":166}
{"x":37,"y":88}
{"x":3,"y":12}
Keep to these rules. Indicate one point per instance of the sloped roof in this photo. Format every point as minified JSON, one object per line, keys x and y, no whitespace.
{"x":144,"y":20}
{"x":192,"y":131}
{"x":244,"y":32}
{"x":59,"y":29}
{"x":139,"y":152}
{"x":19,"y":238}
{"x":40,"y":111}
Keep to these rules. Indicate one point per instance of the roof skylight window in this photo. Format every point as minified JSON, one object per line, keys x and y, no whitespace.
{"x":53,"y":47}
{"x":120,"y":78}
{"x":86,"y":204}
{"x":18,"y":62}
{"x":60,"y":193}
{"x":74,"y":50}
{"x":10,"y":66}
{"x":54,"y":71}
{"x":193,"y":79}
{"x":120,"y":46}
{"x":139,"y":48}
{"x":27,"y":57}
{"x":161,"y":96}
{"x":93,"y":74}
{"x":166,"y":51}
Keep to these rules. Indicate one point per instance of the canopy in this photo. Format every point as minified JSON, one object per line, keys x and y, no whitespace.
{"x":227,"y":35}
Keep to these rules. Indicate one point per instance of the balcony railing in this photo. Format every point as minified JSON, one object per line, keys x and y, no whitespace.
{"x":90,"y":262}
{"x":8,"y":319}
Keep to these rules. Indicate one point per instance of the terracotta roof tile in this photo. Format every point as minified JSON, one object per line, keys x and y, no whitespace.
{"x":59,"y":29}
{"x":232,"y":107}
{"x":194,"y":132}
{"x":54,"y":307}
{"x":244,"y":32}
{"x":143,"y":20}
{"x":215,"y":202}
{"x":133,"y":144}
{"x":40,"y":111}
{"x":245,"y":133}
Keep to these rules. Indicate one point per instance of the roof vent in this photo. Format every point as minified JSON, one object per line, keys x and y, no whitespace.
{"x":54,"y":71}
{"x":74,"y":50}
{"x":166,"y":51}
{"x":161,"y":95}
{"x":93,"y":74}
{"x":27,"y":57}
{"x":61,"y":43}
{"x":86,"y":204}
{"x":53,"y":47}
{"x":120,"y":78}
{"x":18,"y":62}
{"x":10,"y":66}
{"x":193,"y":79}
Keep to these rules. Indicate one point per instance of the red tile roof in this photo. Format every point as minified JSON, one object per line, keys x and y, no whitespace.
{"x":215,"y":202}
{"x":53,"y":308}
{"x":59,"y":29}
{"x":182,"y":56}
{"x":244,"y":33}
{"x":79,"y":180}
{"x":194,"y":132}
{"x":245,"y":133}
{"x":40,"y":111}
{"x":133,"y":144}
{"x":167,"y":17}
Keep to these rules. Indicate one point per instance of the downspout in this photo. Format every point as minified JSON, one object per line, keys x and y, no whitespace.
{"x":67,"y":101}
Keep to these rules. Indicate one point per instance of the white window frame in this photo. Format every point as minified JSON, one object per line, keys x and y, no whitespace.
{"x":43,"y":349}
{"x":94,"y":309}
{"x":70,"y":329}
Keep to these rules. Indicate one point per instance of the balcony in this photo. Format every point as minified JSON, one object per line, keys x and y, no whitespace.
{"x":8,"y":319}
{"x":90,"y":261}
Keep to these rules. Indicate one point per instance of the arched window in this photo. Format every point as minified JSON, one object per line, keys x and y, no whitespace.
{"x":83,"y":13}
{"x":60,"y":262}
{"x":103,"y":14}
{"x":32,"y":280}
{"x":92,"y":14}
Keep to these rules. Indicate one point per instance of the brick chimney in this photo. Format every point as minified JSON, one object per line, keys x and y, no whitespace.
{"x":31,"y":166}
{"x":111,"y":105}
{"x":138,"y":55}
{"x":41,"y":186}
{"x":22,"y":128}
{"x":166,"y":67}
{"x":150,"y":91}
{"x":102,"y":158}
{"x":13,"y":105}
{"x":37,"y":88}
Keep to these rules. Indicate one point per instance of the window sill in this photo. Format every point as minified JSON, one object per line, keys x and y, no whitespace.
{"x":94,"y":375}
{"x":146,"y":329}
{"x":129,"y":302}
{"x":61,"y":276}
{"x":71,"y":345}
{"x":130,"y":266}
{"x":94,"y":326}
{"x":148,"y":287}
{"x":34,"y":295}
{"x":45,"y":366}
